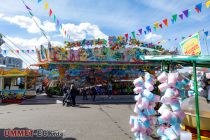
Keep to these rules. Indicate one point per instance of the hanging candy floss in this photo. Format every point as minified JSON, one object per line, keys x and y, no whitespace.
{"x":170,"y":110}
{"x":142,"y":125}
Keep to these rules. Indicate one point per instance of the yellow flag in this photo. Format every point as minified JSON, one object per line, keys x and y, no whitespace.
{"x":208,"y":4}
{"x":156,"y":24}
{"x":46,"y":5}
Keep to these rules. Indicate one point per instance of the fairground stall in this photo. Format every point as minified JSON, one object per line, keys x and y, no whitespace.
{"x":16,"y":85}
{"x":96,"y":62}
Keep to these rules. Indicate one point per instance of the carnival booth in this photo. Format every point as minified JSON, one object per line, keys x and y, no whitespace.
{"x":95,"y":62}
{"x":16,"y":85}
{"x":179,"y":95}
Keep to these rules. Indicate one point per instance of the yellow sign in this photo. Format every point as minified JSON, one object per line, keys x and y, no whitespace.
{"x":191,"y":45}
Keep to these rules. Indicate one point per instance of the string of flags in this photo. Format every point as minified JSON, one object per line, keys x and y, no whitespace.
{"x":166,"y":22}
{"x":17,"y":51}
{"x":55,"y":19}
{"x":160,"y":42}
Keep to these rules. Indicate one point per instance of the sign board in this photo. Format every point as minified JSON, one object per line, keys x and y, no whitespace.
{"x":191,"y":45}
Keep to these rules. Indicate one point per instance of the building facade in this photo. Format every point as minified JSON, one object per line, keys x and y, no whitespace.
{"x":10,"y":62}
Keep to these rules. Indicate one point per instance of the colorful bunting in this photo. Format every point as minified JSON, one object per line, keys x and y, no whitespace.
{"x":186,"y":12}
{"x":145,"y":32}
{"x":207,"y":4}
{"x":198,"y":7}
{"x":58,"y":23}
{"x":206,"y":33}
{"x":174,"y":17}
{"x":27,"y":7}
{"x":50,"y":12}
{"x":165,"y":21}
{"x":46,"y":5}
{"x":54,"y":17}
{"x":39,"y":1}
{"x":155,"y":29}
{"x":156,"y":24}
{"x":181,"y":16}
{"x":172,"y":20}
{"x":140,"y":31}
{"x":148,"y":29}
{"x":126,"y":35}
{"x":31,"y":13}
{"x":160,"y":25}
{"x":133,"y":34}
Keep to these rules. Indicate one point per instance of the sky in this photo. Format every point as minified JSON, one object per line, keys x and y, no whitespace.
{"x":88,"y":19}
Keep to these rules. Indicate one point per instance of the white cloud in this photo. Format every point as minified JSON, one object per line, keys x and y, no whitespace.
{"x":152,"y":37}
{"x":24,"y":44}
{"x":83,"y":30}
{"x":28,"y":23}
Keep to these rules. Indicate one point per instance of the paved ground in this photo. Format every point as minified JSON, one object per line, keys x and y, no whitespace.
{"x":84,"y":122}
{"x":100,"y":99}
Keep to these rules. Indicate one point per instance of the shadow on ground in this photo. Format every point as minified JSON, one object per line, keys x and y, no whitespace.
{"x":38,"y":134}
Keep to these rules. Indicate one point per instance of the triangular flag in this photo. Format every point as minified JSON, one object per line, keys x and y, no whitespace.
{"x":181,"y":16}
{"x":46,"y":5}
{"x":207,"y":4}
{"x":161,"y":25}
{"x":140,"y":31}
{"x":39,"y":1}
{"x":31,"y":13}
{"x":23,"y":51}
{"x":28,"y":51}
{"x":133,"y":34}
{"x":148,"y":29}
{"x":183,"y":37}
{"x":50,"y":12}
{"x":145,"y":32}
{"x":17,"y":51}
{"x":156,"y":24}
{"x":174,"y":17}
{"x":5,"y":51}
{"x":165,"y":21}
{"x":206,"y":33}
{"x":54,"y":17}
{"x":172,"y":20}
{"x":154,"y":28}
{"x":27,"y":7}
{"x":186,"y":13}
{"x":198,"y":7}
{"x":126,"y":35}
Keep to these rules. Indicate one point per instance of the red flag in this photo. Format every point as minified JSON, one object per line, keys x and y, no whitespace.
{"x":17,"y":51}
{"x":50,"y":12}
{"x":126,"y":35}
{"x":160,"y":25}
{"x":165,"y":21}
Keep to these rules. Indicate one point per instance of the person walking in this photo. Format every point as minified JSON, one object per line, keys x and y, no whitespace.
{"x":73,"y":93}
{"x":94,"y":92}
{"x":109,"y":90}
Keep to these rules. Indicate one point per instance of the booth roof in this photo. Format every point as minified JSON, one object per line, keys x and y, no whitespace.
{"x":201,"y":61}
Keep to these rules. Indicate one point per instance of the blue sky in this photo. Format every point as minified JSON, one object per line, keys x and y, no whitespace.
{"x":100,"y":18}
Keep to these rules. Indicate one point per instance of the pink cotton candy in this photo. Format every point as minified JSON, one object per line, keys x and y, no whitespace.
{"x":156,"y":98}
{"x":163,"y":108}
{"x":166,"y":115}
{"x":145,"y":102}
{"x":170,"y":134}
{"x":143,"y":118}
{"x":162,"y":77}
{"x":162,"y":87}
{"x":172,"y":78}
{"x":138,"y":82}
{"x":149,"y":86}
{"x":169,"y":92}
{"x":138,"y":90}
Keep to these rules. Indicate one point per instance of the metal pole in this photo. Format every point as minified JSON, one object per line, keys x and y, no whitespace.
{"x":196,"y":101}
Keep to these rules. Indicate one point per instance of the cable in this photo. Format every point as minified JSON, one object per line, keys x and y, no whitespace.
{"x":42,"y":31}
{"x":18,"y":47}
{"x":25,"y":61}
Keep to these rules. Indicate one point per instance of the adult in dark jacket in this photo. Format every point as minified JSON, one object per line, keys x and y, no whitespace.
{"x":74,"y":92}
{"x":94,"y":92}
